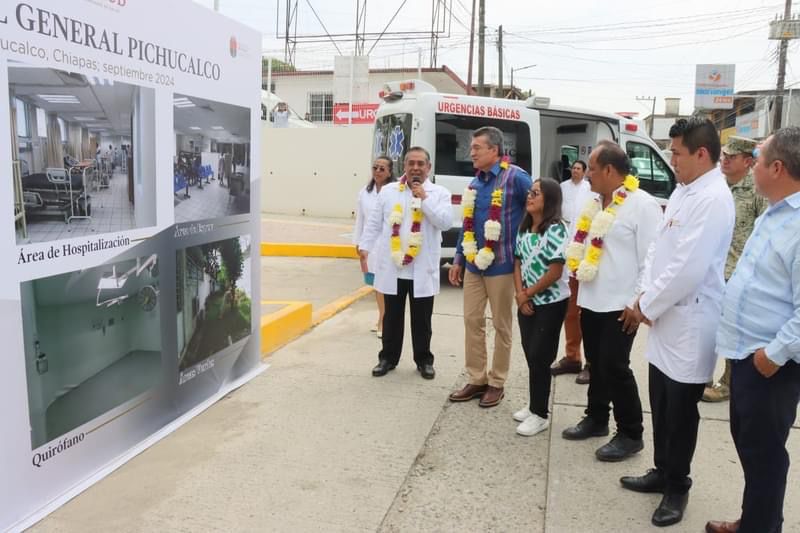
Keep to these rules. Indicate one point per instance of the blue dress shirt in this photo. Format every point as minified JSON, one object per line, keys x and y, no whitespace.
{"x":514,"y":198}
{"x":761,"y":307}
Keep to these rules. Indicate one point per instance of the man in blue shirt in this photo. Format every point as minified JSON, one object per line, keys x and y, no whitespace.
{"x":489,"y":272}
{"x":760,"y":333}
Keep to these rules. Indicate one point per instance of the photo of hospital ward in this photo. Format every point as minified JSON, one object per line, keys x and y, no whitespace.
{"x":92,"y":343}
{"x":211,"y":164}
{"x":213,"y":297}
{"x":77,"y":145}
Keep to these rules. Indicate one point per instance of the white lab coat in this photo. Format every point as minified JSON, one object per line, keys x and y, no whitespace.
{"x":437,"y":216}
{"x":684,"y":278}
{"x":366,"y":201}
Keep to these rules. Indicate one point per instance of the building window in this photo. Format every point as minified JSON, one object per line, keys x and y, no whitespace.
{"x":22,"y":118}
{"x":320,"y":107}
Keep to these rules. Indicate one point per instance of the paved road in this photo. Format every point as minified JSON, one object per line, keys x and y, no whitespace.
{"x":317,"y":444}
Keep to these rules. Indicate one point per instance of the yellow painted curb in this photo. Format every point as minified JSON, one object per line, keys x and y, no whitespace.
{"x":339,"y":305}
{"x":292,"y":249}
{"x":284,"y":325}
{"x":295,"y":318}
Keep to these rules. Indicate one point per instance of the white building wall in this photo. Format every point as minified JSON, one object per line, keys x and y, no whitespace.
{"x":325,"y":180}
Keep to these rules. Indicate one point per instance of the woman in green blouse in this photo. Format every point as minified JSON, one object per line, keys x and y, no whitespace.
{"x":542,"y":295}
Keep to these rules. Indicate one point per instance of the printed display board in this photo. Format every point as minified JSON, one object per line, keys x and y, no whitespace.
{"x":130,"y":288}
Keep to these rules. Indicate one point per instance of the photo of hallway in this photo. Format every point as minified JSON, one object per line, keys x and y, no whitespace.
{"x":81,"y":154}
{"x":92,"y":343}
{"x":213,"y":297}
{"x":211,"y":166}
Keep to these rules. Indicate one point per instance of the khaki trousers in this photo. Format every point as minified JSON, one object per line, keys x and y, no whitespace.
{"x":572,"y":324}
{"x":499,"y":291}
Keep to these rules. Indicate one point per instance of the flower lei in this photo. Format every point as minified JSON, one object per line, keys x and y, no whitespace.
{"x":399,"y":257}
{"x":594,"y":223}
{"x":491,"y":228}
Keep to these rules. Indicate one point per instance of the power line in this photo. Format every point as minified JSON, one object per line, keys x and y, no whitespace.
{"x":644,"y":49}
{"x":701,"y":18}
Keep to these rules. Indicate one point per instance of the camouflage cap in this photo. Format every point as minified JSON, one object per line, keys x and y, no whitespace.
{"x":739,"y":145}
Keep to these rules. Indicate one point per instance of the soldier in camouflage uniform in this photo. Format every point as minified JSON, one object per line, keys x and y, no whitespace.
{"x":737,"y":165}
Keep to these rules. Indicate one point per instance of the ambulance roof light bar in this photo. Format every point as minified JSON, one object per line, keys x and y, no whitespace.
{"x":537,"y":102}
{"x":395,"y":90}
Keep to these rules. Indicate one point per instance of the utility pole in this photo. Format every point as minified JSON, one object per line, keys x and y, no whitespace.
{"x":653,"y":113}
{"x":216,"y":5}
{"x":500,"y":59}
{"x":784,"y":46}
{"x":471,"y":46}
{"x":481,"y":34}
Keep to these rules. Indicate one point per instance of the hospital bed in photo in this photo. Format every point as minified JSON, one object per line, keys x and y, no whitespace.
{"x":58,"y":191}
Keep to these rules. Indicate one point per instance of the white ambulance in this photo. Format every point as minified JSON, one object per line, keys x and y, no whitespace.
{"x":540,"y":138}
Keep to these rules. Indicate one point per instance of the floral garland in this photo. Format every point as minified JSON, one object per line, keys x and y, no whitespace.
{"x":491,"y":228}
{"x":594,"y":223}
{"x":399,"y":257}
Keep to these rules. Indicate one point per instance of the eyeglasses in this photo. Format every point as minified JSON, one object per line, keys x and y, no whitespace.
{"x":378,"y":167}
{"x":533,"y":193}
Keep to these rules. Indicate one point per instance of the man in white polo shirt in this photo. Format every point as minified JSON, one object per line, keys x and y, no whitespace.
{"x":608,"y":254}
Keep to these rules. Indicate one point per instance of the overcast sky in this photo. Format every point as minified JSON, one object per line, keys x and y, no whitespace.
{"x":587,"y":53}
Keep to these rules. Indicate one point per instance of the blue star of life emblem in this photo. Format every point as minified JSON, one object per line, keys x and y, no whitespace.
{"x":396,"y":143}
{"x":378,"y":146}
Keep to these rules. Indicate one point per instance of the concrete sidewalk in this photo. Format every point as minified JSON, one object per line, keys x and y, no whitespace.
{"x":317,"y":444}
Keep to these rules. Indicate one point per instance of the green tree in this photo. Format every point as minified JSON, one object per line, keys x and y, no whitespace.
{"x":232,"y":257}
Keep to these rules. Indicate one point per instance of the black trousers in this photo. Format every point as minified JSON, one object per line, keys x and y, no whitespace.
{"x":611,"y":381}
{"x":540,"y":333}
{"x":675,"y":422}
{"x":394,"y":320}
{"x":762,"y":412}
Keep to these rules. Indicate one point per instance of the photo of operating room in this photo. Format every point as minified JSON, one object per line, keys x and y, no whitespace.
{"x":211,"y":163}
{"x":92,"y":343}
{"x":82,"y":154}
{"x":214,"y":298}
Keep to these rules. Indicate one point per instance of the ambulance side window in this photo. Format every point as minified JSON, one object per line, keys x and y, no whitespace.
{"x":454,"y":135}
{"x":391,"y":138}
{"x":654,"y":175}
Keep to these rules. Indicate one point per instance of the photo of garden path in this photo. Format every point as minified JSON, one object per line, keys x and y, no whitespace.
{"x":214,"y":303}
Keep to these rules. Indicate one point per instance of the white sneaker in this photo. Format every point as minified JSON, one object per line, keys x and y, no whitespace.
{"x":532,"y":425}
{"x":522,"y":414}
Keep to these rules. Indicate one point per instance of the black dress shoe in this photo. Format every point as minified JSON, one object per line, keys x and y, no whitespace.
{"x":652,"y":481}
{"x":584,"y":429}
{"x":670,"y":510}
{"x":619,"y":448}
{"x":382,"y":368}
{"x":427,"y":371}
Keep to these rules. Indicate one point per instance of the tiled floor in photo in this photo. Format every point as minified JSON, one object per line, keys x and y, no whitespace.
{"x":212,"y":201}
{"x":111,"y":211}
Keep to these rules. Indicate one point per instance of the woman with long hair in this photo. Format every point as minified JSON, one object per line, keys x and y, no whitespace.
{"x":382,"y":174}
{"x":542,"y":296}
